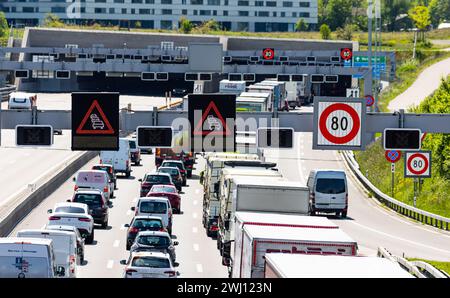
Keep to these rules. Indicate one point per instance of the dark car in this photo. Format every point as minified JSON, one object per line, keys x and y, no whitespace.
{"x":98,"y":208}
{"x":177,"y":92}
{"x":109,"y":169}
{"x":168,"y":191}
{"x":142,"y":223}
{"x":152,"y":179}
{"x":178,"y":164}
{"x":155,"y":241}
{"x":175,"y":174}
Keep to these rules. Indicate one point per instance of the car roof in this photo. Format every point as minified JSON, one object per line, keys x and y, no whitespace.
{"x":89,"y":191}
{"x":91,"y":171}
{"x":60,"y":227}
{"x":158,"y":174}
{"x":150,"y":254}
{"x":54,"y":232}
{"x":147,"y":217}
{"x":172,"y":160}
{"x":71,"y":204}
{"x":164,"y":185}
{"x":174,"y":168}
{"x":25,"y":240}
{"x":153,"y":233}
{"x":103,"y":165}
{"x":157,"y":199}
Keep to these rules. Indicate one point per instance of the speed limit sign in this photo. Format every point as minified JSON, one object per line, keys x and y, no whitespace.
{"x":339,"y":123}
{"x":418,"y":164}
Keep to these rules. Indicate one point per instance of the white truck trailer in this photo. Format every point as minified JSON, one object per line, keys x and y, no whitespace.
{"x":280,"y":265}
{"x":254,"y":242}
{"x":232,"y":87}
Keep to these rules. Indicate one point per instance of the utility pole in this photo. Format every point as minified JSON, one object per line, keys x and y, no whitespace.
{"x":369,"y":45}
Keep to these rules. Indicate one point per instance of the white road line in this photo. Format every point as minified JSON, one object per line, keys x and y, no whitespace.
{"x":199,"y":268}
{"x":195,"y":202}
{"x":194,"y":230}
{"x":110,"y":264}
{"x":194,"y":215}
{"x":401,"y":239}
{"x":12,"y":162}
{"x":196,"y":247}
{"x":197,"y":191}
{"x":116,"y":243}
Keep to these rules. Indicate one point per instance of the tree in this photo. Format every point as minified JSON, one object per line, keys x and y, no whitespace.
{"x":137,"y":24}
{"x":338,"y":13}
{"x":301,"y":25}
{"x":52,"y":20}
{"x":439,"y":11}
{"x":3,"y":24}
{"x":325,"y":31}
{"x":345,"y":33}
{"x":392,"y":9}
{"x":208,"y":26}
{"x":421,"y":18}
{"x":186,"y":26}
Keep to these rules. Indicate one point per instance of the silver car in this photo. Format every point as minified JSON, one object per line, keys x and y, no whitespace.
{"x":155,"y":241}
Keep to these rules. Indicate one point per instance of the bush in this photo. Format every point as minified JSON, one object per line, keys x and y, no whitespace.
{"x":325,"y":31}
{"x":345,"y":33}
{"x":301,"y":25}
{"x":3,"y":24}
{"x":408,"y":65}
{"x":186,"y":26}
{"x":53,"y":21}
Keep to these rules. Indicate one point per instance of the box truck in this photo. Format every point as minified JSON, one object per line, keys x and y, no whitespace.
{"x":254,"y":242}
{"x":232,"y":87}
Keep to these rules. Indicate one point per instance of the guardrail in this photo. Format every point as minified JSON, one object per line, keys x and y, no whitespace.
{"x":6,"y":91}
{"x":429,"y":270}
{"x":400,"y":207}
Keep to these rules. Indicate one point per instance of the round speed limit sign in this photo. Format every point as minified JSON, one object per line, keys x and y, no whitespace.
{"x":339,"y":123}
{"x":418,"y":164}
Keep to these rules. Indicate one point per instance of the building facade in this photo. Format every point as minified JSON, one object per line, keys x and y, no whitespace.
{"x":233,"y":15}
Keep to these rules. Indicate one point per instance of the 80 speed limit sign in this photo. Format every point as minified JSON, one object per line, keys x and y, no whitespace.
{"x":418,"y":164}
{"x":339,"y":123}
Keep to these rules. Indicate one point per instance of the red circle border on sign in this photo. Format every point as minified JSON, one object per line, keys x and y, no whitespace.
{"x":344,"y":57}
{"x":372,"y":100}
{"x":323,"y":121}
{"x":268,"y":50}
{"x":425,"y":168}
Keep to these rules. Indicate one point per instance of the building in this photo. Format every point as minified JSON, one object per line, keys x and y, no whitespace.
{"x":234,"y":15}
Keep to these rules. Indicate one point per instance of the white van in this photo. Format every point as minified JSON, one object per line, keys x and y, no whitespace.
{"x":120,"y":160}
{"x":21,"y":101}
{"x":94,"y":179}
{"x":28,"y":258}
{"x":64,"y":247}
{"x":155,"y":206}
{"x":328,"y":192}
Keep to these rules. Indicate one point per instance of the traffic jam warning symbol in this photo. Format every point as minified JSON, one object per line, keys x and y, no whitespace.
{"x":268,"y":54}
{"x":95,"y":121}
{"x":393,"y":155}
{"x":418,"y":164}
{"x":212,"y":117}
{"x":346,"y":54}
{"x":339,"y":123}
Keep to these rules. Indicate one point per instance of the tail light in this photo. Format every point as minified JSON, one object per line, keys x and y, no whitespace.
{"x":312,"y":197}
{"x":134,"y":230}
{"x":75,"y":188}
{"x":346,"y":200}
{"x":130,"y":271}
{"x":170,"y":273}
{"x":190,"y":154}
{"x":105,"y":189}
{"x":162,"y":229}
{"x":84,"y":219}
{"x":110,"y":170}
{"x":127,"y":163}
{"x":158,"y":151}
{"x":101,"y":161}
{"x":54,"y":218}
{"x":72,"y":264}
{"x":214,"y":228}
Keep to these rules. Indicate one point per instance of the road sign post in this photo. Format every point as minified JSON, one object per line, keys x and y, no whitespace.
{"x":339,"y":123}
{"x":392,"y":179}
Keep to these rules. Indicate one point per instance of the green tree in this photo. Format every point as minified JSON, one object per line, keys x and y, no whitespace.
{"x":439,"y":11}
{"x":392,"y":9}
{"x":325,"y":31}
{"x":3,"y":24}
{"x":137,"y":25}
{"x":346,"y":33}
{"x":186,"y":26}
{"x":420,"y":15}
{"x":338,"y":13}
{"x":301,"y":25}
{"x":52,"y":20}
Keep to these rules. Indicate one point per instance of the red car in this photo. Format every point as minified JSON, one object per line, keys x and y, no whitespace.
{"x":169,"y":191}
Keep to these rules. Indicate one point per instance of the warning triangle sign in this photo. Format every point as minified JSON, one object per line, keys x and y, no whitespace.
{"x":212,"y":125}
{"x":95,"y":121}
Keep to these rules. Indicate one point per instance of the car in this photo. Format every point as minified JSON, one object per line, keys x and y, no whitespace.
{"x":328,"y":192}
{"x":110,"y":170}
{"x":149,"y":265}
{"x":155,"y":206}
{"x":175,"y":174}
{"x":180,"y":165}
{"x":155,"y":241}
{"x":73,"y":214}
{"x":135,"y":152}
{"x":21,"y":101}
{"x":178,"y":92}
{"x":142,"y":223}
{"x":98,"y":206}
{"x":168,"y":191}
{"x":97,"y":123}
{"x":94,"y":179}
{"x":151,"y":179}
{"x":80,"y":240}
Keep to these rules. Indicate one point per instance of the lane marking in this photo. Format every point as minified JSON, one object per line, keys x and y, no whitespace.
{"x":116,"y":243}
{"x":199,"y":268}
{"x":401,"y":239}
{"x":194,"y":230}
{"x":196,"y":247}
{"x":110,"y":264}
{"x":194,"y":215}
{"x":195,"y":202}
{"x":12,"y":162}
{"x":197,"y":191}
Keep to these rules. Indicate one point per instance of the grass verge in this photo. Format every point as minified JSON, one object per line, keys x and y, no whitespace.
{"x":444,"y":266}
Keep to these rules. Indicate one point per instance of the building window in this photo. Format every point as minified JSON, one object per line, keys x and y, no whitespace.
{"x":150,"y":1}
{"x":214,"y":12}
{"x":96,"y":10}
{"x":166,"y":11}
{"x":111,"y":10}
{"x":243,"y":13}
{"x":225,"y":13}
{"x":259,"y":3}
{"x":167,"y":25}
{"x":197,"y":2}
{"x":184,"y":12}
{"x":294,"y":14}
{"x":242,"y":26}
{"x":136,"y":1}
{"x":263,"y":13}
{"x":274,"y":13}
{"x":183,"y":2}
{"x":119,"y":1}
{"x":166,"y":1}
{"x":144,"y":11}
{"x":195,"y":12}
{"x":28,"y":9}
{"x":287,"y":4}
{"x":271,"y":3}
{"x":304,"y":4}
{"x":303,"y":14}
{"x":214,"y":2}
{"x":124,"y":11}
{"x":283,"y":14}
{"x":225,"y":2}
{"x":63,"y":9}
{"x":205,"y":12}
{"x":100,"y":1}
{"x":243,"y":3}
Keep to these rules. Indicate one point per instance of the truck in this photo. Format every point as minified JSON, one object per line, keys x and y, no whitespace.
{"x":232,"y":87}
{"x":211,"y":174}
{"x":292,"y":93}
{"x":254,"y":242}
{"x":251,"y":104}
{"x":280,"y":93}
{"x":281,"y":265}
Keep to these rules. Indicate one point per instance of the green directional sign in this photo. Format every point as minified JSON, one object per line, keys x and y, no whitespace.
{"x":365,"y":59}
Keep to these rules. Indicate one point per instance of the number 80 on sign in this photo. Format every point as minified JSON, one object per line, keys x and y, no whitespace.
{"x":339,"y":123}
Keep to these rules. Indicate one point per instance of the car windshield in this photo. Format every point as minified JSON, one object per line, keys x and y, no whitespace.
{"x":163,"y":189}
{"x":150,"y":262}
{"x":153,"y":207}
{"x":144,"y":223}
{"x":172,"y":172}
{"x":101,"y":168}
{"x":152,"y":240}
{"x":20,"y":100}
{"x":92,"y":200}
{"x":330,"y":186}
{"x":132,"y":144}
{"x":158,"y":179}
{"x":173,"y":164}
{"x":69,"y":209}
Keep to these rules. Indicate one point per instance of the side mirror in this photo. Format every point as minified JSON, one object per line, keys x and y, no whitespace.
{"x":175,"y":243}
{"x":133,"y":208}
{"x":74,"y":179}
{"x":126,"y":225}
{"x":49,"y":211}
{"x":178,"y":273}
{"x":68,"y":201}
{"x":123,"y":262}
{"x":176,"y":264}
{"x":60,"y":271}
{"x":140,"y":180}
